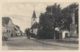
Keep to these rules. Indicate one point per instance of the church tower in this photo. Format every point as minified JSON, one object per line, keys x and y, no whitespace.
{"x":34,"y":23}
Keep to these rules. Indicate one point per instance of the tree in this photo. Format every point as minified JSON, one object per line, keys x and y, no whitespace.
{"x":56,"y":17}
{"x":67,"y":15}
{"x":49,"y":20}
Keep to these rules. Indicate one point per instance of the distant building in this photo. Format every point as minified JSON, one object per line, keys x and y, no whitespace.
{"x":18,"y":31}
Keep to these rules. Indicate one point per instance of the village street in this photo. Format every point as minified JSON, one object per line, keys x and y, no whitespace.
{"x":22,"y":43}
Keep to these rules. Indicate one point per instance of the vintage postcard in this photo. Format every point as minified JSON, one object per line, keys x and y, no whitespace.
{"x":40,"y":25}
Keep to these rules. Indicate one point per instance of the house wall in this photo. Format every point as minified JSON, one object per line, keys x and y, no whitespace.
{"x":65,"y":33}
{"x":8,"y":30}
{"x":35,"y":31}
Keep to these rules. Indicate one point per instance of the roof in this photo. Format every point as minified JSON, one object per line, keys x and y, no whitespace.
{"x":5,"y":20}
{"x":34,"y":14}
{"x":35,"y":25}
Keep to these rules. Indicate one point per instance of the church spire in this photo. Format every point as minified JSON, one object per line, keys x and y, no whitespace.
{"x":33,"y":18}
{"x":34,"y":14}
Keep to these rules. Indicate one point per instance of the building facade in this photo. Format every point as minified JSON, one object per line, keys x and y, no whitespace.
{"x":8,"y":28}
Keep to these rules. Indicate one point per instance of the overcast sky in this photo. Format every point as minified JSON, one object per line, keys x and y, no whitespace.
{"x":21,"y":13}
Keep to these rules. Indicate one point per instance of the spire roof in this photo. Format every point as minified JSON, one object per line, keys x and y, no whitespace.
{"x":34,"y":14}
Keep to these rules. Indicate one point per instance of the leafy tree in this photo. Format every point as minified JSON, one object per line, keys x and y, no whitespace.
{"x":56,"y":17}
{"x":49,"y":20}
{"x":67,"y":15}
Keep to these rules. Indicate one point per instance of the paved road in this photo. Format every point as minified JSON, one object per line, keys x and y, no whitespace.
{"x":22,"y":43}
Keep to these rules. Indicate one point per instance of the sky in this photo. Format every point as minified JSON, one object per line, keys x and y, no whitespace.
{"x":21,"y":13}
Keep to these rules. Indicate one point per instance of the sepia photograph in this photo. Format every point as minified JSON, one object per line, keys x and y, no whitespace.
{"x":40,"y":26}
